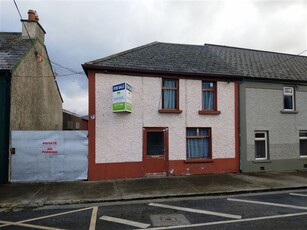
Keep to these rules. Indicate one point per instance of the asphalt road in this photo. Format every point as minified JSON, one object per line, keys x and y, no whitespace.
{"x":275,"y":210}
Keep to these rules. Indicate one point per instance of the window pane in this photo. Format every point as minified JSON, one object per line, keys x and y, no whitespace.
{"x":169,"y":99}
{"x":207,"y":85}
{"x":155,"y":143}
{"x":288,"y":104}
{"x":303,"y":147}
{"x":169,"y":83}
{"x":259,"y":135}
{"x":198,"y":148}
{"x":288,"y":90}
{"x":191,"y":132}
{"x":208,"y":100}
{"x":260,"y":149}
{"x":303,"y":133}
{"x":203,"y":132}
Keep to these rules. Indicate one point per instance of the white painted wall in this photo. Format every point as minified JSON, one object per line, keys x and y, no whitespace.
{"x":119,"y":135}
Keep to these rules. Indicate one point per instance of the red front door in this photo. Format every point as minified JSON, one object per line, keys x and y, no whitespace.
{"x":155,"y":151}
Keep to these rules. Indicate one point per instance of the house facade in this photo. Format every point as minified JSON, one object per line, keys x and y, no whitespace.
{"x":31,"y":98}
{"x":182,"y":121}
{"x":190,"y":104}
{"x":273,"y":108}
{"x":274,"y":135}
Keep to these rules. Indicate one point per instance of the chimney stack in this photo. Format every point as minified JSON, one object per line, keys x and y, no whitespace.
{"x":34,"y":29}
{"x":31,"y":15}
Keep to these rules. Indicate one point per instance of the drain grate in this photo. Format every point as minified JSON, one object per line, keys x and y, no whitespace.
{"x":168,"y":220}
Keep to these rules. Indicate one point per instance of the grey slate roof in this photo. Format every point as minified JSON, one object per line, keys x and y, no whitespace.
{"x":12,"y":49}
{"x":207,"y":60}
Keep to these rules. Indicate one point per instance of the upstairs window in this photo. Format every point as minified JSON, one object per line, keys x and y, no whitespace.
{"x":170,"y":95}
{"x":208,"y":95}
{"x":303,"y":143}
{"x":261,"y":145}
{"x":198,"y":143}
{"x":289,"y":101}
{"x":209,"y":98}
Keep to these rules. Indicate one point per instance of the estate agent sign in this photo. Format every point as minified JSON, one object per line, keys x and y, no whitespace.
{"x":122,"y":97}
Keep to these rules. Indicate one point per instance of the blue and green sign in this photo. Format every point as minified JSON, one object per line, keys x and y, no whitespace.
{"x":122,"y":97}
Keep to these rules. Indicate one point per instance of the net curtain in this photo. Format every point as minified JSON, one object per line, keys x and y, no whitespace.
{"x":197,"y":147}
{"x":169,"y":95}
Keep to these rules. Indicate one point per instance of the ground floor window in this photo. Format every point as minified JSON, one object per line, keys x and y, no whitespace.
{"x":198,"y":143}
{"x":261,"y":145}
{"x":303,"y":143}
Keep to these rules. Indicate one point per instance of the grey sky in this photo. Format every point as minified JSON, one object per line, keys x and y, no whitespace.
{"x":81,"y":31}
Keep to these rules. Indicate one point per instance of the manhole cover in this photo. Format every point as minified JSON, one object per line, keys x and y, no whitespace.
{"x":168,"y":220}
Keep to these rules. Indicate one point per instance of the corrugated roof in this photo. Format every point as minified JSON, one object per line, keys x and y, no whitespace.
{"x":207,"y":59}
{"x":12,"y":49}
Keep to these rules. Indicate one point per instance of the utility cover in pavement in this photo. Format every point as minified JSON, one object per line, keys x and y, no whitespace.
{"x":168,"y":220}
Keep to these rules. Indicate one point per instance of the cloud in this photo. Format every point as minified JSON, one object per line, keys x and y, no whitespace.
{"x":81,"y":31}
{"x":77,"y":103}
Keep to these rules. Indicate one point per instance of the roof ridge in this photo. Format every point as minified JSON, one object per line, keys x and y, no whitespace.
{"x":181,"y":44}
{"x":263,"y":51}
{"x":123,"y":53}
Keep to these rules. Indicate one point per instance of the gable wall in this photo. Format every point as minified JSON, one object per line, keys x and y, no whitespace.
{"x":35,"y":101}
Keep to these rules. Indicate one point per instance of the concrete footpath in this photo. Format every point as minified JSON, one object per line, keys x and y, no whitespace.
{"x":39,"y":194}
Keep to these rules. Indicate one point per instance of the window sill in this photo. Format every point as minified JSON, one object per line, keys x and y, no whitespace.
{"x":261,"y":161}
{"x":288,"y":112}
{"x":209,"y":112}
{"x":199,"y":160}
{"x":170,"y":111}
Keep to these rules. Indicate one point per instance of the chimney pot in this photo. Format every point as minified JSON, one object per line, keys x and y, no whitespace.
{"x":31,"y":15}
{"x":36,"y":16}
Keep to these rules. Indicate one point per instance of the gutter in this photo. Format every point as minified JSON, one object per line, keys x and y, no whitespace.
{"x":149,"y":72}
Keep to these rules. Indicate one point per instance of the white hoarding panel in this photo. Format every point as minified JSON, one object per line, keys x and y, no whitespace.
{"x":49,"y":156}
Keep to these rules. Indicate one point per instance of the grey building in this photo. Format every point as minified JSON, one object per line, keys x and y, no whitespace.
{"x":272,"y":108}
{"x":273,"y":125}
{"x":29,"y":94}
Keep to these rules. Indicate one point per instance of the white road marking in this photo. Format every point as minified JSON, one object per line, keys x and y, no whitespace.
{"x":196,"y":211}
{"x":93,"y":219}
{"x":26,"y":225}
{"x":123,"y":221}
{"x":45,"y":217}
{"x":268,"y":203}
{"x":298,"y":194}
{"x":230,"y":221}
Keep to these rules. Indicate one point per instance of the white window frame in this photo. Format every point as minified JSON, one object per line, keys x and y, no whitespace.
{"x":265,"y":139}
{"x":289,"y":94}
{"x":302,"y":138}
